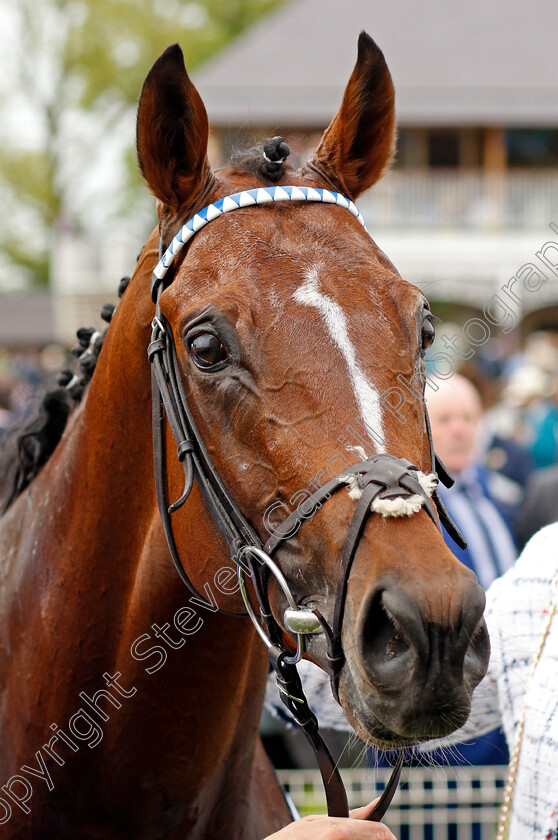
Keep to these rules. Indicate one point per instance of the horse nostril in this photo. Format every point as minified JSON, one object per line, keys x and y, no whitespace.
{"x":395,"y":646}
{"x":386,"y":652}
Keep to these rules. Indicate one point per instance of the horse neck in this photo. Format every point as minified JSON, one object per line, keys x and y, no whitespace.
{"x":102,"y":469}
{"x":207,"y":683}
{"x":117,"y":448}
{"x":111,"y":583}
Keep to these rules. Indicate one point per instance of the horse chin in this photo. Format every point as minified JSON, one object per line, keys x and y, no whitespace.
{"x":381,"y":720}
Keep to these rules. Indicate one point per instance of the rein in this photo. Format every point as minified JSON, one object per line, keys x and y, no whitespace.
{"x":380,"y":477}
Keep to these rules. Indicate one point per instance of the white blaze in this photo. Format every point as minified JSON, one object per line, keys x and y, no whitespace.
{"x":366,"y":395}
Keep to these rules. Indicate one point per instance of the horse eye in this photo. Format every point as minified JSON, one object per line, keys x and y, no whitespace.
{"x":207,"y":351}
{"x":428,"y":334}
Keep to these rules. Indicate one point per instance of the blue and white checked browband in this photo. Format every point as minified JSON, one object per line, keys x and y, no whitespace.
{"x":246,"y":198}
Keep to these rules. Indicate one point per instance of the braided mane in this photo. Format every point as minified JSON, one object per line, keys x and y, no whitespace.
{"x":26,"y":447}
{"x":264,"y":161}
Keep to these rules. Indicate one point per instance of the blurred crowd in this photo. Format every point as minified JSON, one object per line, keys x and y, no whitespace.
{"x":515,"y":441}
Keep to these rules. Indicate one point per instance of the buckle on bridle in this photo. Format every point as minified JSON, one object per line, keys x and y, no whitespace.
{"x":297,"y":620}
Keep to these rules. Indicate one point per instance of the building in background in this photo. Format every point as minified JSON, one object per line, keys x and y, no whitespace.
{"x":475,"y":184}
{"x":86,"y":270}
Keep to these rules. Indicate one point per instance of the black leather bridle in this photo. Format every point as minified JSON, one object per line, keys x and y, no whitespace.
{"x":382,"y":476}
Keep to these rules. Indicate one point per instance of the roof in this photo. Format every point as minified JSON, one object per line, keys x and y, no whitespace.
{"x":473,"y":63}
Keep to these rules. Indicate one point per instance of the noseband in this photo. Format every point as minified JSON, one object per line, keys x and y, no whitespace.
{"x":380,"y":479}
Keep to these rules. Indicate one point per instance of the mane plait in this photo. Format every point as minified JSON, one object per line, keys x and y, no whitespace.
{"x":264,"y":161}
{"x":27,"y":447}
{"x":275,"y":153}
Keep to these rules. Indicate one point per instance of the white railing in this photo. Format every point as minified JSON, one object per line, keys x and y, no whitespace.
{"x":432,"y":803}
{"x":470,"y":199}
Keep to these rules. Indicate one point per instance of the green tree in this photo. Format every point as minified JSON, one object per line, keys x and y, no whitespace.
{"x":72,"y":73}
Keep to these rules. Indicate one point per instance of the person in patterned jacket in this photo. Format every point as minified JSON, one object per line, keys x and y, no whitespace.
{"x":519,"y":691}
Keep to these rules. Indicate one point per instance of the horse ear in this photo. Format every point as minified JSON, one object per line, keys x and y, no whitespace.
{"x":172,"y":133}
{"x":360,"y":142}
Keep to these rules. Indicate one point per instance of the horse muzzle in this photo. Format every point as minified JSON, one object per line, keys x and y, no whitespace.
{"x":408,"y":678}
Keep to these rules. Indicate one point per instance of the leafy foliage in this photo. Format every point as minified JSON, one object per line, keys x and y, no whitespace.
{"x":73,"y":72}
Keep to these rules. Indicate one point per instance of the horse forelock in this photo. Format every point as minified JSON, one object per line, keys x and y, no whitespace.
{"x":253,"y":162}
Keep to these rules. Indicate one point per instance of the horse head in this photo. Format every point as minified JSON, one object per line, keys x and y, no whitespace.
{"x":300,"y":350}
